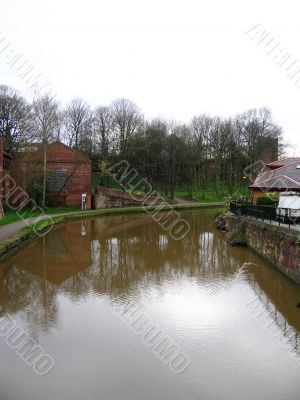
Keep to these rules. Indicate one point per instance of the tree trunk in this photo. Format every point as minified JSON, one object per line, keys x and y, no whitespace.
{"x":44,"y":176}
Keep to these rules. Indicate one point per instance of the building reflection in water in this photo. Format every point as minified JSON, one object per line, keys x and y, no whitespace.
{"x":114,"y":255}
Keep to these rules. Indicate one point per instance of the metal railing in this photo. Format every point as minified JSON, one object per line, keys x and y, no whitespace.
{"x":264,"y":213}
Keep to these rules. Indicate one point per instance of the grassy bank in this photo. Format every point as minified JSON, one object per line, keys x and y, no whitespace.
{"x":206,"y":195}
{"x":11,"y":216}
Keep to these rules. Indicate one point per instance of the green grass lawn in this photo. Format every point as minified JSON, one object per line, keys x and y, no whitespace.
{"x":96,"y":182}
{"x":11,"y":216}
{"x":209,"y":195}
{"x":204,"y":196}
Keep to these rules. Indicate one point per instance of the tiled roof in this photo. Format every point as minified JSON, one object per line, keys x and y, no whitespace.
{"x":283,"y":162}
{"x":286,"y":177}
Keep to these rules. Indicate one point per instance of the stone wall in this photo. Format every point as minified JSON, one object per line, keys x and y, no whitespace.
{"x":113,"y":198}
{"x":276,"y":244}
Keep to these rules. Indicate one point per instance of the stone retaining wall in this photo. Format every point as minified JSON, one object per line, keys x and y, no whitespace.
{"x":274,"y":243}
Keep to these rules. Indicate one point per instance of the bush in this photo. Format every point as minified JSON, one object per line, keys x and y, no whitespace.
{"x":236,"y":197}
{"x":35,"y":190}
{"x":270,"y":199}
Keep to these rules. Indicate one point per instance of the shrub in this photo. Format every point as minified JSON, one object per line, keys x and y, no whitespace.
{"x":35,"y":189}
{"x":270,"y":199}
{"x":234,"y":198}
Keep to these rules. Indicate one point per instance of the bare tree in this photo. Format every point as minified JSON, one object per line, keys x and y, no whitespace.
{"x":103,"y":129}
{"x":126,"y":121}
{"x":45,"y":122}
{"x":14,"y":118}
{"x":254,"y":127}
{"x":76,"y":117}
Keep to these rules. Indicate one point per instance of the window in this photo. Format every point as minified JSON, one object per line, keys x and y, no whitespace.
{"x":57,"y":180}
{"x":5,"y":164}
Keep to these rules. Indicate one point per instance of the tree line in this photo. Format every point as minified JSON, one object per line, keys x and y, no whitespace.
{"x":208,"y":152}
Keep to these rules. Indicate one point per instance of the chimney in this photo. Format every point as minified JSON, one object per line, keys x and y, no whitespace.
{"x":1,"y":177}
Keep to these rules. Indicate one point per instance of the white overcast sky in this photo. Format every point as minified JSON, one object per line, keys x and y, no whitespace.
{"x":175,"y":59}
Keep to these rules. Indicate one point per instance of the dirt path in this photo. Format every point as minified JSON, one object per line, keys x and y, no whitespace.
{"x":6,"y":231}
{"x":180,"y":200}
{"x":10,"y":229}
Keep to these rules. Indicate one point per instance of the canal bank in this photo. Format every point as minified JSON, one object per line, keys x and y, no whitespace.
{"x":277,"y":244}
{"x":13,"y":236}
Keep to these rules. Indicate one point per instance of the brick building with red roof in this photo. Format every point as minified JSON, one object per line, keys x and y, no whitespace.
{"x":69,"y":173}
{"x":278,"y":176}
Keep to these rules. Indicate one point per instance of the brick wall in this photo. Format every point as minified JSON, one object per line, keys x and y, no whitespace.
{"x":1,"y":176}
{"x":59,"y":157}
{"x":113,"y":195}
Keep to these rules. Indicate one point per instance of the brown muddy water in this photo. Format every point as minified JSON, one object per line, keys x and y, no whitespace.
{"x":127,"y":313}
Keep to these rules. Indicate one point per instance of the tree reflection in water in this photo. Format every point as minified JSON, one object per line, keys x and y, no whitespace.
{"x":119,"y":255}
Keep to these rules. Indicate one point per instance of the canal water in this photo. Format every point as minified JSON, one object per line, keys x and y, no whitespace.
{"x":121,"y":311}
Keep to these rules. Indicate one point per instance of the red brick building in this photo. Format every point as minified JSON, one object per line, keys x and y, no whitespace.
{"x":1,"y":176}
{"x":69,"y":173}
{"x":5,"y":162}
{"x":278,"y":176}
